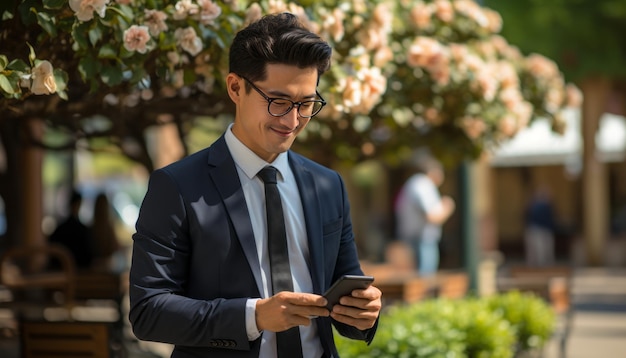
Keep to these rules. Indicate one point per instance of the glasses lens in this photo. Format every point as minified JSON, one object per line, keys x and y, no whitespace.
{"x":309,"y":108}
{"x":279,"y":107}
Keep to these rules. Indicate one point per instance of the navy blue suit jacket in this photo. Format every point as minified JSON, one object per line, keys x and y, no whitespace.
{"x":194,"y":260}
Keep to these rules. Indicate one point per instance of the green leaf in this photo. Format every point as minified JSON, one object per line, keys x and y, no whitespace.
{"x":4,"y":61}
{"x":6,"y":15}
{"x":6,"y":85}
{"x":62,"y":94}
{"x":31,"y":55}
{"x":18,"y":65}
{"x":79,"y":33}
{"x":47,"y":23}
{"x":95,"y":35}
{"x":87,"y":68}
{"x":28,"y":17}
{"x":107,"y":51}
{"x":61,"y":78}
{"x":189,"y":77}
{"x":111,"y":75}
{"x":54,"y":4}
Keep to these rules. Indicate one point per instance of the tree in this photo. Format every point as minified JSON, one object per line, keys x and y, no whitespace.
{"x":585,"y":39}
{"x":404,"y":74}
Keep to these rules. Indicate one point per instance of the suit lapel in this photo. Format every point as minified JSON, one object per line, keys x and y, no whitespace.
{"x":311,"y":207}
{"x":224,"y":174}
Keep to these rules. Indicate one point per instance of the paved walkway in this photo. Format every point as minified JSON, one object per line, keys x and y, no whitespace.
{"x":598,"y":327}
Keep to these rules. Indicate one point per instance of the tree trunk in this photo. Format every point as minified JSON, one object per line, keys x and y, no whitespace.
{"x":10,"y":181}
{"x":595,"y":194}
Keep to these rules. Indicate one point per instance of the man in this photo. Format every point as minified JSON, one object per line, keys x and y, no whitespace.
{"x":421,"y":211}
{"x":200,"y":276}
{"x":74,"y":235}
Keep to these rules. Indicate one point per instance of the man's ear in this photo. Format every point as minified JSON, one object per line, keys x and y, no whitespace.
{"x":233,"y":86}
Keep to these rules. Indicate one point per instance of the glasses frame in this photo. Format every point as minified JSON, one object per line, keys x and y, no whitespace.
{"x":293,"y":103}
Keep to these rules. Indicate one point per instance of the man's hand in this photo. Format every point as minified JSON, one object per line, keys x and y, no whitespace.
{"x":289,"y":309}
{"x":359,"y":310}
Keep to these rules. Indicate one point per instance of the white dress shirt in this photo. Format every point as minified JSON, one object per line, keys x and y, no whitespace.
{"x":248,"y":165}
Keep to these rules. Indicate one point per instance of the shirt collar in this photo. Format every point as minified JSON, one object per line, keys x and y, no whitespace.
{"x":248,"y":161}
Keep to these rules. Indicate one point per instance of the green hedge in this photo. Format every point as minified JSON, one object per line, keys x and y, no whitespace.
{"x":499,"y":326}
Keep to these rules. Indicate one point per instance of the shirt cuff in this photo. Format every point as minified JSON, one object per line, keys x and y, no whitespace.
{"x":251,"y":327}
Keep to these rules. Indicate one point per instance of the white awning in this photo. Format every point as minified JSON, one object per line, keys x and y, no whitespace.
{"x":539,"y":145}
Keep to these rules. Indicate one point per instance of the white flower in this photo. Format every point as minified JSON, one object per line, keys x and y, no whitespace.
{"x":209,"y":11}
{"x":43,"y":79}
{"x":84,"y":9}
{"x":135,"y":38}
{"x":155,"y":20}
{"x":188,"y":40}
{"x":185,"y":8}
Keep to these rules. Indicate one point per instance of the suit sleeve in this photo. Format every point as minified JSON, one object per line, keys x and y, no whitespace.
{"x":348,"y":263}
{"x":160,"y":309}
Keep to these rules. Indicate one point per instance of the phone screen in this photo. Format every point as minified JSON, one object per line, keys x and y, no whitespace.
{"x":344,"y":287}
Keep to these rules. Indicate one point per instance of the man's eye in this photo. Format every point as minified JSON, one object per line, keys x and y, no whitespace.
{"x":281,"y":103}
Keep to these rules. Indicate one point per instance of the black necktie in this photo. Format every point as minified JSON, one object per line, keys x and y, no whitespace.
{"x":287,"y":342}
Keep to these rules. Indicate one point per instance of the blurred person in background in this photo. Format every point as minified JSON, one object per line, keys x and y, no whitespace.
{"x":106,"y":243}
{"x":421,"y":211}
{"x":540,"y":227}
{"x":74,"y":235}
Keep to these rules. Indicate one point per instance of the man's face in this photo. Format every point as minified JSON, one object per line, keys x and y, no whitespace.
{"x":264,"y":134}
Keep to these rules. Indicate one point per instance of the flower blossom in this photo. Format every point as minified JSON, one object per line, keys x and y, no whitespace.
{"x":188,"y":40}
{"x":421,"y":15}
{"x":43,"y":79}
{"x":84,"y":9}
{"x":574,"y":97}
{"x":136,"y":38}
{"x":184,"y":9}
{"x":155,"y":20}
{"x":253,"y":14}
{"x":209,"y":11}
{"x":332,"y":24}
{"x":444,"y":10}
{"x":473,"y":127}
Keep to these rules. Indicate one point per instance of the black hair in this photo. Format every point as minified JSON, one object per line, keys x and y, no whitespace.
{"x":277,"y":39}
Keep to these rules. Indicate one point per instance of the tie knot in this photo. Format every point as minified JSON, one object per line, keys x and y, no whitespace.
{"x":268,"y":175}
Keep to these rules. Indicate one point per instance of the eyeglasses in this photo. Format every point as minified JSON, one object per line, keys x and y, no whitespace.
{"x":279,"y":107}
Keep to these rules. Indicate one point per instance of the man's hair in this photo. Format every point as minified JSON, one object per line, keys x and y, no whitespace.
{"x":277,"y":39}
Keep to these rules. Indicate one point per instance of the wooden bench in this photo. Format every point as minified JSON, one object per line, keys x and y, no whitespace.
{"x":64,"y":339}
{"x":402,"y":285}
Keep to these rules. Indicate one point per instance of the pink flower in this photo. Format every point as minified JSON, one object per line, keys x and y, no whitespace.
{"x":574,"y":97}
{"x":209,"y":11}
{"x":473,"y":127}
{"x":135,"y":38}
{"x":43,"y":79}
{"x":332,"y":23}
{"x":444,"y":10}
{"x":426,"y":52}
{"x":508,"y":126}
{"x":188,"y":40}
{"x":184,"y":9}
{"x":84,"y":9}
{"x":541,"y":66}
{"x":155,"y":20}
{"x":253,"y":14}
{"x":421,"y":14}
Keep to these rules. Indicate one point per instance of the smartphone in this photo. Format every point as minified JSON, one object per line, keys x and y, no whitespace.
{"x":344,"y":286}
